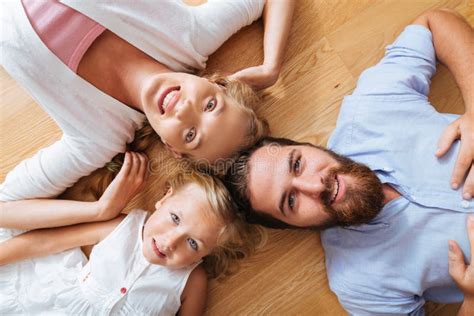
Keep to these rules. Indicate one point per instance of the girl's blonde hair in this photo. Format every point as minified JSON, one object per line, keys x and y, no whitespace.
{"x":237,"y":239}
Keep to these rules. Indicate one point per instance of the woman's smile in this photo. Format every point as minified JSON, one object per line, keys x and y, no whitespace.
{"x":168,"y":99}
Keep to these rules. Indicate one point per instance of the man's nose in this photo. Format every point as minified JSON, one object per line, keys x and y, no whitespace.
{"x":310,"y":185}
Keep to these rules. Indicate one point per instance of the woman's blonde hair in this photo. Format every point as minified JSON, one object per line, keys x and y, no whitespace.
{"x":237,"y":240}
{"x":247,"y":100}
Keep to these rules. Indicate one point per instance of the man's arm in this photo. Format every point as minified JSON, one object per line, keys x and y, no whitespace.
{"x":453,"y":40}
{"x":462,"y":273}
{"x":277,"y":18}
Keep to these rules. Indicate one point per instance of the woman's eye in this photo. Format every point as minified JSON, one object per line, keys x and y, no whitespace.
{"x":193,"y":244}
{"x":210,"y":105}
{"x":190,"y":135}
{"x":291,"y":200}
{"x":297,"y":166}
{"x":174,"y":218}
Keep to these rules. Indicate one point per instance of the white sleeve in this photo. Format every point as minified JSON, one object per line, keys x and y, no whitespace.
{"x":53,"y":169}
{"x":217,"y":21}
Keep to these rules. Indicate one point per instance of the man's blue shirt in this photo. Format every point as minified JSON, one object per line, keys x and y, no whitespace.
{"x":400,"y":259}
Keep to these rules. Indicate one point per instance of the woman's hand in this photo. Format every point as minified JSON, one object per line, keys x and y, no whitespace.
{"x":258,"y":77}
{"x":462,"y":128}
{"x":125,"y":186}
{"x":462,"y":273}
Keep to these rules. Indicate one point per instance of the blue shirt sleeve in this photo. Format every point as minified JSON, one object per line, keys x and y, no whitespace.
{"x":364,"y":304}
{"x":406,"y":69}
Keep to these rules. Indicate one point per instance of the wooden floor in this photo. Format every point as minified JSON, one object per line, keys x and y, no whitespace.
{"x":332,"y":42}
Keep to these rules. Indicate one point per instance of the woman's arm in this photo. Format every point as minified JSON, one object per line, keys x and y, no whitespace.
{"x":193,"y":298}
{"x":462,"y":273}
{"x":44,"y":242}
{"x":277,"y":18}
{"x":34,"y":214}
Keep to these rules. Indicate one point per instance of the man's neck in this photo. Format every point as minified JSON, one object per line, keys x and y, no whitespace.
{"x":389,"y":193}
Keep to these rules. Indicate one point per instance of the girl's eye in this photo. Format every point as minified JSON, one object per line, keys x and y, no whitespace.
{"x":211,"y":105}
{"x":297,"y":166}
{"x":190,"y":135}
{"x":291,"y":200}
{"x":174,"y":218}
{"x":193,"y":244}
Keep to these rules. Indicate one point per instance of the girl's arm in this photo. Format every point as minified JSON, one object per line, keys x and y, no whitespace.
{"x":193,"y":299}
{"x":42,"y":242}
{"x":277,"y":17}
{"x":42,"y":213}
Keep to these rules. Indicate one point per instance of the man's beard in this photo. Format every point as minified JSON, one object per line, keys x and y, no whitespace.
{"x":363,"y":198}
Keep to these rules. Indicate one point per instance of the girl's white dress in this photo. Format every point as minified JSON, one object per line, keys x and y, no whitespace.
{"x":116,"y":280}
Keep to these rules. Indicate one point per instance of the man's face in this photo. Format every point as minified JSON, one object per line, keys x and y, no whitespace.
{"x":307,"y":186}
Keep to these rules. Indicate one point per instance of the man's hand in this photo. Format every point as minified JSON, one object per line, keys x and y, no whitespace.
{"x":462,"y":128}
{"x":125,"y":186}
{"x":462,"y":273}
{"x":258,"y":77}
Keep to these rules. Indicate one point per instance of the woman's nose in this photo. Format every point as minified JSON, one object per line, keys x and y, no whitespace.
{"x":185,"y":110}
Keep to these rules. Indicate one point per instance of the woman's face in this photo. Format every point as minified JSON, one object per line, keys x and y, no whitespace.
{"x":193,"y":116}
{"x":182,"y":230}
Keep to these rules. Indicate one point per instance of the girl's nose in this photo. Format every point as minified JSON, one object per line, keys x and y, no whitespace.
{"x":172,"y":240}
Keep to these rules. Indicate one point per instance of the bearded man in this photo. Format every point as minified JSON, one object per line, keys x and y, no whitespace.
{"x":380,"y":195}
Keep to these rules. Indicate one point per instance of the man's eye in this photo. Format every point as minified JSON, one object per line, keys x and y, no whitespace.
{"x":291,"y":200}
{"x":190,"y":135}
{"x":174,"y":218}
{"x":193,"y":244}
{"x":297,"y":166}
{"x":210,"y":105}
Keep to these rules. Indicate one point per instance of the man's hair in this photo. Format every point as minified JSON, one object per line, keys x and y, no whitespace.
{"x":236,"y":179}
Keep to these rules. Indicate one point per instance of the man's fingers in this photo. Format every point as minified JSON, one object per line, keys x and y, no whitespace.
{"x":457,"y":267}
{"x":462,"y":165}
{"x":450,"y":134}
{"x":470,"y":234}
{"x":468,"y":189}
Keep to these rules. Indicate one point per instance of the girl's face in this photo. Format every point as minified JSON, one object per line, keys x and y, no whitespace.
{"x":182,"y":230}
{"x":194,"y":116}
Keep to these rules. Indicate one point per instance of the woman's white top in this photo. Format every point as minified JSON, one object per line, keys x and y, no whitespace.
{"x":116,"y":280}
{"x":96,"y":126}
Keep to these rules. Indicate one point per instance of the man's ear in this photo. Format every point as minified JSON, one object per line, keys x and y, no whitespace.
{"x":167,"y":195}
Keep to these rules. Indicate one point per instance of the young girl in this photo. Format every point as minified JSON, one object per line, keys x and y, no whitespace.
{"x":141,"y":264}
{"x":100,"y":68}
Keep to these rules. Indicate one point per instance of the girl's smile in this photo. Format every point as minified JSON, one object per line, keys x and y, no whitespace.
{"x":182,"y":230}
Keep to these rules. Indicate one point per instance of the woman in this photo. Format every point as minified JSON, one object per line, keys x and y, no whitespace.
{"x":130,"y":70}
